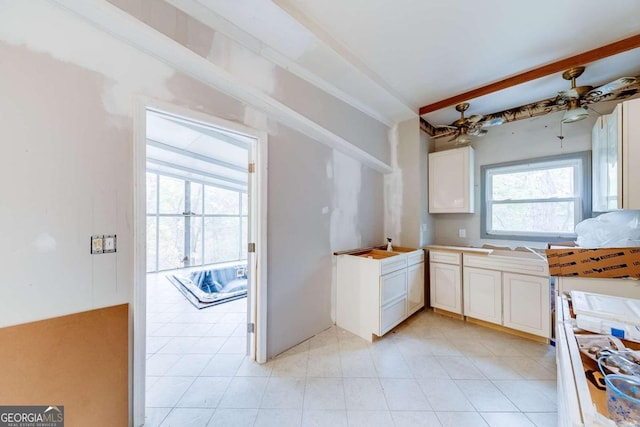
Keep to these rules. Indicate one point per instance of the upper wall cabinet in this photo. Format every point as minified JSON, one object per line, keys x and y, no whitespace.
{"x":616,"y":153}
{"x":451,"y":181}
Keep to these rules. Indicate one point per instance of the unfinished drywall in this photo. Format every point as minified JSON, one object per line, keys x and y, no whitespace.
{"x":416,"y":228}
{"x":251,"y":69}
{"x":525,"y":139}
{"x":67,"y":174}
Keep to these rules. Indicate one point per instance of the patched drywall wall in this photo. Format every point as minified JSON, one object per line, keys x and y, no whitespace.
{"x":344,"y":120}
{"x":525,"y":139}
{"x":67,"y":173}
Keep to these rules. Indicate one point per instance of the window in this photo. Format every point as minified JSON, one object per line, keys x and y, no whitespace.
{"x":538,"y":199}
{"x":191,"y":224}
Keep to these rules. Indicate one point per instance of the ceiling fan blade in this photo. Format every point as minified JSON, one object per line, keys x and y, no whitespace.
{"x":446,"y":127}
{"x":613,"y":86}
{"x":455,"y":135}
{"x":492,"y":122}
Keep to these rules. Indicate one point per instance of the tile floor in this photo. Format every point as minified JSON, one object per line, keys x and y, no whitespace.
{"x":431,"y":371}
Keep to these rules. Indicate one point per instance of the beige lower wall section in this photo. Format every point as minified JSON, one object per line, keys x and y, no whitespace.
{"x":78,"y":361}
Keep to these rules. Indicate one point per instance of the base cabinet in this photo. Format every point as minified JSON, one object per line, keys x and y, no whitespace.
{"x":415,"y":291}
{"x":482,"y":294}
{"x":446,"y":287}
{"x":375,"y":294}
{"x":527,"y":303}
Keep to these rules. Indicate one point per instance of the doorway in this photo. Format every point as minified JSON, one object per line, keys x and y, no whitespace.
{"x":200,"y":211}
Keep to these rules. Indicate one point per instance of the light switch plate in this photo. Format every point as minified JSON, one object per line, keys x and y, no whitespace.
{"x":109,"y":244}
{"x":97,"y":244}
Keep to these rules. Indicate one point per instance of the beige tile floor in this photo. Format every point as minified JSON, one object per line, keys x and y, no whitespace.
{"x":431,"y":371}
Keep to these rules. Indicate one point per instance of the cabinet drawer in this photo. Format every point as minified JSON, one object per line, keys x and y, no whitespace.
{"x":392,"y":286}
{"x":445,"y":257}
{"x":415,"y":257}
{"x":509,"y":264}
{"x":392,"y":314}
{"x":392,"y":264}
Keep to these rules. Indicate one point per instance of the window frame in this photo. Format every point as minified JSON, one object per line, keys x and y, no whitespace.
{"x":188,"y":216}
{"x":582,"y":200}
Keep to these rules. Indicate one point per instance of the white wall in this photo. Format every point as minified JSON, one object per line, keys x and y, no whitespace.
{"x":407,"y":219}
{"x":524,"y":139}
{"x":66,"y":170}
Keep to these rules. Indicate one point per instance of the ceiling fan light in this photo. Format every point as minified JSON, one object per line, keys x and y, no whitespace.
{"x":575,"y":114}
{"x":462,"y":139}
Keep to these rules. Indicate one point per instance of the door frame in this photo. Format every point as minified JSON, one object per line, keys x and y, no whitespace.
{"x":257,"y":302}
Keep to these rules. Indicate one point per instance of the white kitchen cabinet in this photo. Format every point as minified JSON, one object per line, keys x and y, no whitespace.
{"x":415,"y":284}
{"x":377,"y":289}
{"x":616,"y":153}
{"x":526,"y":303}
{"x":508,"y":288}
{"x":445,"y":281}
{"x":482,"y":294}
{"x":451,"y":181}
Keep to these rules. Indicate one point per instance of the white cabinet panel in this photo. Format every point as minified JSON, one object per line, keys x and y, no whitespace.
{"x":415,"y":284}
{"x":482,"y":294}
{"x":392,"y":314}
{"x":392,"y":286}
{"x":616,"y":152}
{"x":451,"y":181}
{"x":526,"y":304}
{"x":446,"y":287}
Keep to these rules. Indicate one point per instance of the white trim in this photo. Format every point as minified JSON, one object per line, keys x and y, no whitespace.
{"x":138,"y":297}
{"x":138,"y":305}
{"x":127,"y":28}
{"x":207,"y":16}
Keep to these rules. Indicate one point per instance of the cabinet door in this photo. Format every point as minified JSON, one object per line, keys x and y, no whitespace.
{"x":446,"y":287}
{"x":614,"y":155}
{"x":600,"y":165}
{"x":415,"y":283}
{"x":630,"y":123}
{"x":482,"y":294}
{"x":527,"y":304}
{"x":451,"y":181}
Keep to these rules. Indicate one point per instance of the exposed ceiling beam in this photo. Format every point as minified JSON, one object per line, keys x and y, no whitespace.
{"x":196,"y":180}
{"x":194,"y":171}
{"x":583,"y":58}
{"x":196,"y":156}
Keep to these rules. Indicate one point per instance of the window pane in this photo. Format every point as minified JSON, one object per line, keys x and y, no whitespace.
{"x":195,"y":252}
{"x":196,"y":198}
{"x":151,"y":243}
{"x":152,"y":192}
{"x":171,"y":195}
{"x":536,"y":184}
{"x":245,"y":204}
{"x":221,"y":201}
{"x":222,"y":239}
{"x":243,"y":245}
{"x":171,"y":242}
{"x":546,"y":217}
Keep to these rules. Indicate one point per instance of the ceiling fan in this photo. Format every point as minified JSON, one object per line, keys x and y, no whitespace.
{"x":465,"y":127}
{"x":577,"y":98}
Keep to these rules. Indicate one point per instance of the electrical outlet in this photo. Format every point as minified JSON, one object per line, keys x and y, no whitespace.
{"x":97,"y":244}
{"x":109,"y":244}
{"x":462,"y":232}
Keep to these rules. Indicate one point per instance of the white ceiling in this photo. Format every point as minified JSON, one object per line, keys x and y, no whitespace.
{"x":198,"y":152}
{"x":390,"y":57}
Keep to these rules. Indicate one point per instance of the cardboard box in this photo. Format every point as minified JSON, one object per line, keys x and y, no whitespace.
{"x":606,"y":262}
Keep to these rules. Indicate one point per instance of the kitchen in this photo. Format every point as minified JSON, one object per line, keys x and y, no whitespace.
{"x":352,"y":145}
